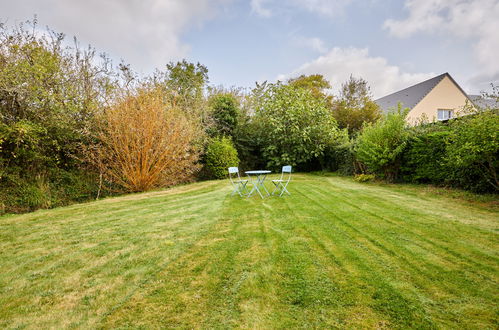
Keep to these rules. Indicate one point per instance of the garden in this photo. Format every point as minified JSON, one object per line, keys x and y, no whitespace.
{"x":116,"y":211}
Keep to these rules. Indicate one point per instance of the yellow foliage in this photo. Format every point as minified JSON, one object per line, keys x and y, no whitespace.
{"x":144,"y":143}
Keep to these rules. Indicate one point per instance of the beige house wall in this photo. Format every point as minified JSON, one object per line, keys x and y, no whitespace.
{"x":445,"y":95}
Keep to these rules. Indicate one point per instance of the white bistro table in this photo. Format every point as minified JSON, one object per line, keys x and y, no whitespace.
{"x":259,"y":180}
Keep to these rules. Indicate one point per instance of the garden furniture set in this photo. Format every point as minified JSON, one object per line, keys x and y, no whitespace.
{"x":257,"y":178}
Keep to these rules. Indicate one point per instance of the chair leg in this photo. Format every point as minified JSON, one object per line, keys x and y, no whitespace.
{"x":237,"y":189}
{"x":245,"y":188}
{"x":284,"y":189}
{"x":276,"y":186}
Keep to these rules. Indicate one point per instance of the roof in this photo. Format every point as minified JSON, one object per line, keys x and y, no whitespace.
{"x":411,"y":96}
{"x":484,"y":102}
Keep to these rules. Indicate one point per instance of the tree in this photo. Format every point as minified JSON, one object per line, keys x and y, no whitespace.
{"x":380,"y":145}
{"x":184,"y":84}
{"x":225,"y":112}
{"x":48,"y":96}
{"x":293,"y":125}
{"x":354,"y":107}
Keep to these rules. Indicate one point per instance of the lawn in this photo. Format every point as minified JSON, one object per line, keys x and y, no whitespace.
{"x":334,"y":254}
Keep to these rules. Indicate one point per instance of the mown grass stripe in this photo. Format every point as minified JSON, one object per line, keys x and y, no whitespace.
{"x":334,"y":254}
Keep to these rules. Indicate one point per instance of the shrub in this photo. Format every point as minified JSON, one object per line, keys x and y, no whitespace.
{"x":364,"y":177}
{"x":48,"y":96}
{"x":220,"y":155}
{"x":143,"y":143}
{"x":340,"y":156}
{"x":380,"y":145}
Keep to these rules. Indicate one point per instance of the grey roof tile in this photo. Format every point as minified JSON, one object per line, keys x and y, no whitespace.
{"x":484,"y":102}
{"x":409,"y":96}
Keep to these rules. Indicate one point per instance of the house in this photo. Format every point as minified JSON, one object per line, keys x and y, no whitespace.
{"x":438,"y":98}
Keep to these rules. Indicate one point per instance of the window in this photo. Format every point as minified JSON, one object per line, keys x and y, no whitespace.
{"x":444,"y":114}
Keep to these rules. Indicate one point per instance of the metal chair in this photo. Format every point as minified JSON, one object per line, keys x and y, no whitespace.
{"x":238,"y":184}
{"x":282,"y":183}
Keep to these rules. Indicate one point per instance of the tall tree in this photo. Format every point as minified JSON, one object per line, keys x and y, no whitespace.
{"x":355,"y":106}
{"x":225,"y":112}
{"x":185,"y":83}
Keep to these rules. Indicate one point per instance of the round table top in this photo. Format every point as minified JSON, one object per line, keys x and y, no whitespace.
{"x":258,"y":172}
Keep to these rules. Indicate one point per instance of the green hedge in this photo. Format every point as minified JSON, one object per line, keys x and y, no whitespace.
{"x":424,"y":160}
{"x":57,"y":187}
{"x":462,"y":153}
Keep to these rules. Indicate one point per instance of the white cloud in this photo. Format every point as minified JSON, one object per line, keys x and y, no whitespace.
{"x":474,"y":20}
{"x":146,"y":33}
{"x":337,"y":66}
{"x":257,"y":6}
{"x":316,"y":44}
{"x":323,"y":7}
{"x":330,"y":8}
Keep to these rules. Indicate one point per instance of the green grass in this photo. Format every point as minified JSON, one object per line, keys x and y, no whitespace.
{"x":334,"y":254}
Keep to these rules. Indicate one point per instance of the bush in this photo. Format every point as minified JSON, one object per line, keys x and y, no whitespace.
{"x":340,"y":157}
{"x":364,"y":177}
{"x":48,"y":96}
{"x":143,"y":143}
{"x":220,"y":155}
{"x":380,"y":145}
{"x":462,"y":153}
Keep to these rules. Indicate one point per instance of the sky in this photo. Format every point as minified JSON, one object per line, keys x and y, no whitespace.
{"x":390,"y":43}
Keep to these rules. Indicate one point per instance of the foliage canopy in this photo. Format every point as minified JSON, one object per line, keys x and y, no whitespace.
{"x":293,"y":125}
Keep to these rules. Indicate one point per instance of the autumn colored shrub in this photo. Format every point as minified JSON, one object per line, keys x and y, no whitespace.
{"x":143,"y":143}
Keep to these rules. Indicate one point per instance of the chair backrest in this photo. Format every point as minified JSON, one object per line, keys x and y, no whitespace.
{"x":286,"y":169}
{"x":234,"y":171}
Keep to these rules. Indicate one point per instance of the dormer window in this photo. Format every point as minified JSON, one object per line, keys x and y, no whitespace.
{"x":445,"y":114}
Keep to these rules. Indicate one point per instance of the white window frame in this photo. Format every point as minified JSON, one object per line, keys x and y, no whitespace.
{"x":445,"y":114}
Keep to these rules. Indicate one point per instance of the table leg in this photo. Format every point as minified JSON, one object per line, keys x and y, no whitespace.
{"x":253,"y":189}
{"x":263,"y":184}
{"x":259,"y":183}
